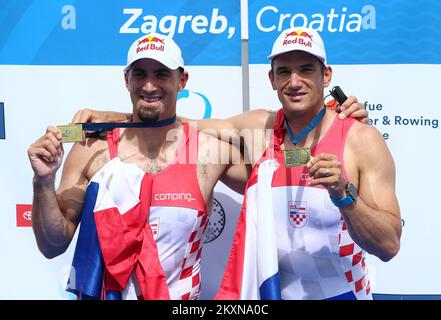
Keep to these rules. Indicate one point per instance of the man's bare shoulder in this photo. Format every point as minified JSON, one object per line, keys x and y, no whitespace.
{"x":209,"y":141}
{"x":366,"y":140}
{"x":88,"y":156}
{"x":364,"y":132}
{"x":214,"y":151}
{"x":262,"y":115}
{"x":88,"y":147}
{"x":255,"y":119}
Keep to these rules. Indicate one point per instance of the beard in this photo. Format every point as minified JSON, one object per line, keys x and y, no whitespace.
{"x":148,"y":114}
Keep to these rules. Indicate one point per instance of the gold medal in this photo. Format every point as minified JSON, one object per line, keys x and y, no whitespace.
{"x":71,"y":133}
{"x":297,"y":157}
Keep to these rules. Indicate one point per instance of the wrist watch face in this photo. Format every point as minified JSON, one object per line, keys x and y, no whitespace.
{"x":351,"y":190}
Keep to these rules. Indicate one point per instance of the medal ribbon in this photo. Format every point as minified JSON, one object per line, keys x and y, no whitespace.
{"x":108,"y":126}
{"x":314,"y":122}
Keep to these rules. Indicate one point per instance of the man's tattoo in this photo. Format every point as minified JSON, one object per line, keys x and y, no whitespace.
{"x":202,"y":169}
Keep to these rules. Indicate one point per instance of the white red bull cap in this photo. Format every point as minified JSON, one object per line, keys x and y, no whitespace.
{"x":302,"y":39}
{"x":157,"y":47}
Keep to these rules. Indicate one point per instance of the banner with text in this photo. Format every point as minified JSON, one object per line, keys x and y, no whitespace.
{"x":388,"y":55}
{"x":57,"y":57}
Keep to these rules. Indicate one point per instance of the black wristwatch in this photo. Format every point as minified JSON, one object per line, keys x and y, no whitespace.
{"x":351,"y":196}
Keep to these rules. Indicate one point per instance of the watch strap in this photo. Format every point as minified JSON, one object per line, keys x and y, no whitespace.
{"x":346,"y":200}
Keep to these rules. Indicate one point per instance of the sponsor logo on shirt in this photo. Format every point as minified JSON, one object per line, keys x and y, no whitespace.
{"x":174,"y":196}
{"x":154,"y":225}
{"x":297,"y":213}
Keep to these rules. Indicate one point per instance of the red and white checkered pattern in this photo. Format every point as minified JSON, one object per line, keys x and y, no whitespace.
{"x":298,"y":219}
{"x":297,"y":213}
{"x":353,"y":262}
{"x":154,"y":225}
{"x":190,"y":280}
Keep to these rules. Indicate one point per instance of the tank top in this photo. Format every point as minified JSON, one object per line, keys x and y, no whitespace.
{"x":307,"y":252}
{"x":176,"y":218}
{"x":317,"y":257}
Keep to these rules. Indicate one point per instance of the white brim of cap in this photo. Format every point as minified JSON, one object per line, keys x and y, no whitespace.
{"x":318,"y":56}
{"x":171,"y":64}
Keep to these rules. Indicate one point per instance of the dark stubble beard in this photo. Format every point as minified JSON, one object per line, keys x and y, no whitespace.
{"x":149,"y":115}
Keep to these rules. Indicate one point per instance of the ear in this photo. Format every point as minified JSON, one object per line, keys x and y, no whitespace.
{"x":126,"y":79}
{"x":327,"y":76}
{"x":271,"y":78}
{"x":183,"y":81}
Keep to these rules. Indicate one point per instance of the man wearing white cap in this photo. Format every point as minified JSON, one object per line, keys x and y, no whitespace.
{"x":310,"y":228}
{"x":143,"y":194}
{"x":323,"y":193}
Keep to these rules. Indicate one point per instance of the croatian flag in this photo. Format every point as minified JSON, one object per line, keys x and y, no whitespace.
{"x":252,"y":272}
{"x":115,"y":240}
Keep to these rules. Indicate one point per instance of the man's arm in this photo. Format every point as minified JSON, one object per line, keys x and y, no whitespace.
{"x":237,"y":171}
{"x":373,"y":220}
{"x":90,"y":115}
{"x":219,"y":160}
{"x":257,"y":119}
{"x":55,"y":214}
{"x":224,"y":129}
{"x":231,"y":129}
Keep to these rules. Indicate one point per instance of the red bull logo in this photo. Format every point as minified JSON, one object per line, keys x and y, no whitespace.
{"x":150,"y":39}
{"x":150,"y":43}
{"x":301,"y":37}
{"x":299,"y":33}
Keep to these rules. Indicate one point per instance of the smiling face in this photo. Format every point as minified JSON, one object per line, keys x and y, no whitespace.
{"x":299,"y":79}
{"x":153,"y":89}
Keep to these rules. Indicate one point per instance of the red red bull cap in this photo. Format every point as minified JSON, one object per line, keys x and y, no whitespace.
{"x":302,"y":39}
{"x":157,"y":47}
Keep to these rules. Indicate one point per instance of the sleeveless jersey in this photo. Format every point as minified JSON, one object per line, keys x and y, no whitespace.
{"x":316,"y":257}
{"x":176,"y":217}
